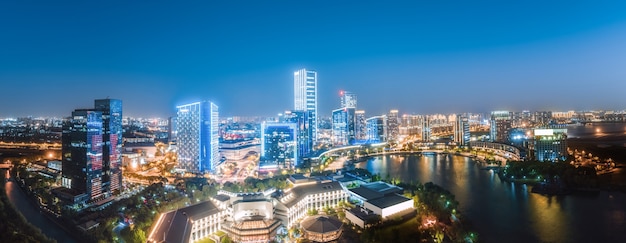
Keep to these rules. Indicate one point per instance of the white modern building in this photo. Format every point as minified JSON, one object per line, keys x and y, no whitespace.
{"x":198,"y":136}
{"x":305,"y":96}
{"x":378,"y":199}
{"x":187,"y":225}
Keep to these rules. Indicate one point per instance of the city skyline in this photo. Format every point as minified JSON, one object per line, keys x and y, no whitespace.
{"x":414,"y":57}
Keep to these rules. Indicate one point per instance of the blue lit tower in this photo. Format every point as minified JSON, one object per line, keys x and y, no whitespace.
{"x":197,"y":130}
{"x":461,"y":131}
{"x":279,"y":143}
{"x":376,"y":131}
{"x":82,"y":141}
{"x":92,"y":151}
{"x":112,"y":143}
{"x":343,"y":126}
{"x":301,"y":119}
{"x":305,"y":96}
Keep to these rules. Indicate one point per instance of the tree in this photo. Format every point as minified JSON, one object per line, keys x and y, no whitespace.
{"x":139,"y":236}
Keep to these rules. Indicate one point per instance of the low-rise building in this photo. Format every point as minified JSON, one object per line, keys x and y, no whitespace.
{"x":189,"y":224}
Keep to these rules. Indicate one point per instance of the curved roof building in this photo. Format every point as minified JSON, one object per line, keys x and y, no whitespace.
{"x":321,"y":228}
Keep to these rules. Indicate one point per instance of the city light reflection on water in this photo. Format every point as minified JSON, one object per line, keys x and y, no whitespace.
{"x":507,"y":212}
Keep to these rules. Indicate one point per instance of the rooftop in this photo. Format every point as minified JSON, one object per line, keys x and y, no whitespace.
{"x":297,"y":193}
{"x":388,"y":200}
{"x":175,"y":226}
{"x":321,"y":224}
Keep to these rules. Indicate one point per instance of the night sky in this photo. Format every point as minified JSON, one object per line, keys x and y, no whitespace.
{"x":415,"y":56}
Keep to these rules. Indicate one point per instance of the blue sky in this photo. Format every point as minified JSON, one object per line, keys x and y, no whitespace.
{"x":415,"y":56}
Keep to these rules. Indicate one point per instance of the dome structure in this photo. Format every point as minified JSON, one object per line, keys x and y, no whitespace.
{"x":321,"y":228}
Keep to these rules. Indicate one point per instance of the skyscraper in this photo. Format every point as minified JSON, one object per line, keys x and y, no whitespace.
{"x":301,"y":119}
{"x":279,"y":144}
{"x":92,"y":148}
{"x":360,"y":126}
{"x":198,"y":136}
{"x":461,"y":131}
{"x":343,"y":126}
{"x":376,"y":131}
{"x":393,"y":128}
{"x":348,"y":99}
{"x":305,"y":96}
{"x":500,"y":126}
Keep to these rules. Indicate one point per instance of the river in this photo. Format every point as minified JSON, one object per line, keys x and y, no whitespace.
{"x":507,"y":212}
{"x":31,"y":212}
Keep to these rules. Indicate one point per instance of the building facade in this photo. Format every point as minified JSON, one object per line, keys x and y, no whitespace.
{"x":348,"y":99}
{"x":279,"y":144}
{"x":360,"y":127}
{"x":376,"y":130}
{"x":197,"y":134}
{"x":92,"y":150}
{"x":305,"y":133}
{"x":462,"y":131}
{"x":393,"y":125}
{"x":550,"y":144}
{"x":343,"y":126}
{"x":500,"y":123}
{"x":305,"y":97}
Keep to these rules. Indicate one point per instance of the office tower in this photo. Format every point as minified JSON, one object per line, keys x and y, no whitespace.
{"x":461,"y":131}
{"x":305,"y":142}
{"x":197,"y":131}
{"x":305,"y":96}
{"x":171,"y":129}
{"x":392,"y":123}
{"x":500,"y":125}
{"x":425,"y":127}
{"x":92,"y":148}
{"x":343,"y":123}
{"x":550,"y":144}
{"x":112,"y":144}
{"x":360,"y":127}
{"x":279,"y":143}
{"x":409,"y":125}
{"x":376,"y":131}
{"x":348,"y":99}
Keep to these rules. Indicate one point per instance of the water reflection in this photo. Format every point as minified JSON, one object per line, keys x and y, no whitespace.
{"x":508,"y":212}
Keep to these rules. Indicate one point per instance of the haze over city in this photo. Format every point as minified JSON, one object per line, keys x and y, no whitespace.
{"x":418,"y":57}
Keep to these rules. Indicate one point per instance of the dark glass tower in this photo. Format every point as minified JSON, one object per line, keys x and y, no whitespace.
{"x":92,"y":147}
{"x":112,"y":144}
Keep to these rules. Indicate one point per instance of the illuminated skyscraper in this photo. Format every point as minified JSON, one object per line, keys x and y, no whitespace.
{"x":301,"y":119}
{"x":360,"y":127}
{"x":197,"y":134}
{"x":461,"y":131}
{"x":425,"y":128}
{"x":393,"y":126}
{"x":279,"y":144}
{"x":500,"y":126}
{"x":348,"y":99}
{"x":343,"y":126}
{"x":92,"y":148}
{"x":305,"y":96}
{"x":376,"y":129}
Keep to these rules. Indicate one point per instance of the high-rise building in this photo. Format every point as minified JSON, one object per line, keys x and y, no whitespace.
{"x":500,"y":125}
{"x":279,"y":144}
{"x":305,"y":141}
{"x":305,"y":96}
{"x":348,"y":99}
{"x":461,"y":131}
{"x":343,"y":126}
{"x":197,"y":126}
{"x":425,"y":128}
{"x":92,"y":149}
{"x":360,"y":127}
{"x":393,"y":126}
{"x":376,"y":129}
{"x":112,"y":141}
{"x":550,"y":144}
